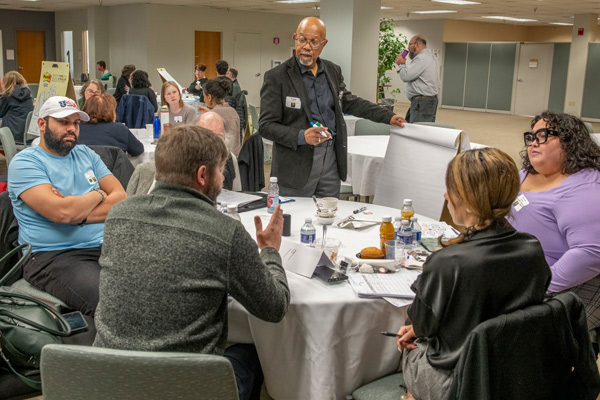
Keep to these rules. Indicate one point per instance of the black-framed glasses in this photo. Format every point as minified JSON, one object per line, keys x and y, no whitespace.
{"x":315,"y":44}
{"x":540,"y":136}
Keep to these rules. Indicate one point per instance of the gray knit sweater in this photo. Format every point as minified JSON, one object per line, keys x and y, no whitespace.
{"x":169,"y":259}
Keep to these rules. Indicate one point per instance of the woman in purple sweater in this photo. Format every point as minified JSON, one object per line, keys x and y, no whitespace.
{"x":558,"y":203}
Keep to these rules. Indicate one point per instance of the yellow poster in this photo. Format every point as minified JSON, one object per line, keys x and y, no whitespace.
{"x":55,"y":80}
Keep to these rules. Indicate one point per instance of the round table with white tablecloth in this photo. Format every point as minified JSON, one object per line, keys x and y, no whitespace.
{"x":329,"y":342}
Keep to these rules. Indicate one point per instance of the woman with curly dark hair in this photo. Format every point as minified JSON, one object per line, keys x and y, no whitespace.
{"x":142,"y":86}
{"x":558,"y":203}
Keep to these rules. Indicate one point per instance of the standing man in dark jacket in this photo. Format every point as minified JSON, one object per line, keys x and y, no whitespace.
{"x":311,"y":160}
{"x":15,"y":104}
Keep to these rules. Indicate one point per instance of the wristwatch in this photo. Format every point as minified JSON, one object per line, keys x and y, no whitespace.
{"x":102,"y":193}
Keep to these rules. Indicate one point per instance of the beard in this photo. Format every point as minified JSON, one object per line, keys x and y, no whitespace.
{"x":306,"y":63}
{"x":213,"y":190}
{"x":57,"y":144}
{"x":412,"y":54}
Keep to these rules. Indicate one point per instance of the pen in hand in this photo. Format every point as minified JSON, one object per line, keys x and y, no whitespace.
{"x":390,"y":334}
{"x":318,"y":124}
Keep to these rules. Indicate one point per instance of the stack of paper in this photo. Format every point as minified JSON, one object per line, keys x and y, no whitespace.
{"x":384,"y":285}
{"x":240,"y":199}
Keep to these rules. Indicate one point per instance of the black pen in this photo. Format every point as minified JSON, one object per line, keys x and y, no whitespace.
{"x":390,"y":334}
{"x":359,"y":210}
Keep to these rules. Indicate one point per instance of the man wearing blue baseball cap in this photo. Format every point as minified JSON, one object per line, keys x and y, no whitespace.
{"x":61,"y":194}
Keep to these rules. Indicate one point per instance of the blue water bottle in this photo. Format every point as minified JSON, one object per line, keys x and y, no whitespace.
{"x":156,"y":127}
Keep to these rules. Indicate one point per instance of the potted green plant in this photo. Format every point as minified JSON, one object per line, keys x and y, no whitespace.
{"x":390,"y":45}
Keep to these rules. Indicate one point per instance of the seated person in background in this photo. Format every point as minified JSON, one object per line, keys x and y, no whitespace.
{"x":215,"y":91}
{"x":15,"y":103}
{"x":90,"y":88}
{"x":200,"y":79}
{"x":182,"y":264}
{"x":104,"y":73}
{"x":558,"y":202}
{"x":214,"y":123}
{"x":179,"y":113}
{"x":489,"y":270}
{"x":142,"y":181}
{"x":142,"y":86}
{"x":124,"y":82}
{"x":61,"y":194}
{"x":102,"y":129}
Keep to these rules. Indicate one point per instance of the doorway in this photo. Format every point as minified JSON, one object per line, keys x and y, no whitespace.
{"x":533,"y":78}
{"x":246,"y":57}
{"x":67,"y":48}
{"x":207,"y":50}
{"x":31,"y":51}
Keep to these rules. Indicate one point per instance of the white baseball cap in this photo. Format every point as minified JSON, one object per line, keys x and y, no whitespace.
{"x":61,"y":107}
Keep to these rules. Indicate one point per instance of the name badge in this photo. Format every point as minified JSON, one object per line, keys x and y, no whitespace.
{"x":520,"y":202}
{"x":178,"y":119}
{"x":293,"y":102}
{"x":90,"y":177}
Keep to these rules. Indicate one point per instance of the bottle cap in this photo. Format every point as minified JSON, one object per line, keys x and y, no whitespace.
{"x":308,"y":220}
{"x":232,"y":207}
{"x":386,"y":218}
{"x":273,"y":179}
{"x":398,"y":218}
{"x":405,"y":222}
{"x":408,"y":201}
{"x":414,"y":218}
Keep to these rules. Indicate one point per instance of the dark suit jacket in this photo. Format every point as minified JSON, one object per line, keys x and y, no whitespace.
{"x":281,"y":124}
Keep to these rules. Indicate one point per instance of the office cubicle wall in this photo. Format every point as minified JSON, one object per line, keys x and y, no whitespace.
{"x":558,"y":79}
{"x":479,"y":75}
{"x":590,"y":105}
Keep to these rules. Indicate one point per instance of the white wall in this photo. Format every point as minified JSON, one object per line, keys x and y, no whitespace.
{"x":433,"y":31}
{"x":76,"y":21}
{"x":98,"y":26}
{"x":154,"y":36}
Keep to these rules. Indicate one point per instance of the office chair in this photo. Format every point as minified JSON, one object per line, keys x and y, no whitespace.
{"x":539,"y":352}
{"x":81,"y":372}
{"x":365,"y":127}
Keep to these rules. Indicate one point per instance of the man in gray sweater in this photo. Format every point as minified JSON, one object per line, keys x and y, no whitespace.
{"x":170,"y":259}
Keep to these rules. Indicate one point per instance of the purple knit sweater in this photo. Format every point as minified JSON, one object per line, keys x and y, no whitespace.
{"x":566,"y":221}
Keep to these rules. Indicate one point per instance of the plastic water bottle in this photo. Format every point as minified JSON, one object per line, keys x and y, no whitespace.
{"x":308,"y":233}
{"x":407,"y":210}
{"x":157,"y":127}
{"x":404,"y":242}
{"x":232,"y":210}
{"x":397,"y":224}
{"x":416,"y":228}
{"x":223,"y":208}
{"x":273,"y":196}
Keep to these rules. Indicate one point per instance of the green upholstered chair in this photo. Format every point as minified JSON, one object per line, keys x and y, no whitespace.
{"x":93,"y":373}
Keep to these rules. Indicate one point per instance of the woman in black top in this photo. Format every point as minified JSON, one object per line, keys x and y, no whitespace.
{"x":15,"y":103}
{"x":141,"y":85}
{"x":489,"y":270}
{"x":196,"y":86}
{"x":102,"y":129}
{"x":124,"y":82}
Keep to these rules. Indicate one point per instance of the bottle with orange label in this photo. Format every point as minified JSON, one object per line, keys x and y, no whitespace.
{"x":386,"y":234}
{"x":407,"y":210}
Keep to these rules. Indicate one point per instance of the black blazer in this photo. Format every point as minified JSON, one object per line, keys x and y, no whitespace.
{"x":292,"y":163}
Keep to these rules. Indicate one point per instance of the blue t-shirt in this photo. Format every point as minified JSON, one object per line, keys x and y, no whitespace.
{"x":73,"y":175}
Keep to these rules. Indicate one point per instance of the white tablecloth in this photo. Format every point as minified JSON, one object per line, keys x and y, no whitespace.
{"x":365,"y":158}
{"x":329,"y":342}
{"x":149,"y":148}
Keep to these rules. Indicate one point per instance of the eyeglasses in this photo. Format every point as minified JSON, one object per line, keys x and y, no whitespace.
{"x":315,"y":44}
{"x":540,"y":136}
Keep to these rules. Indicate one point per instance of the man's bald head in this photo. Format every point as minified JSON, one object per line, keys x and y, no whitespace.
{"x":310,"y":38}
{"x":213,"y":122}
{"x":312,"y":24}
